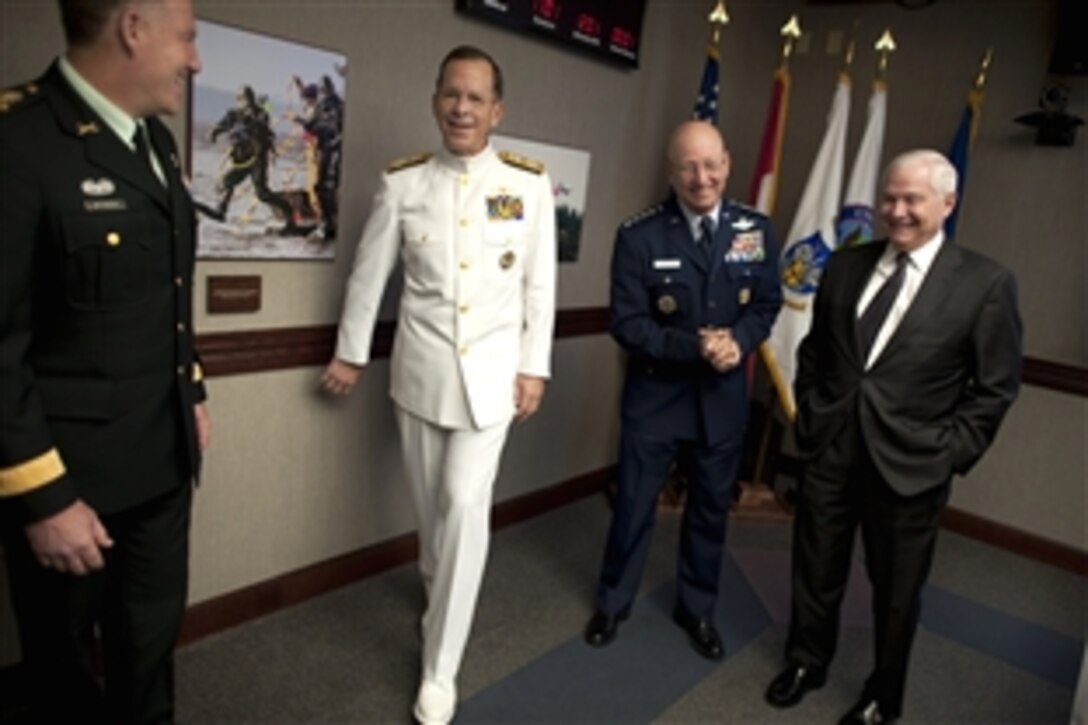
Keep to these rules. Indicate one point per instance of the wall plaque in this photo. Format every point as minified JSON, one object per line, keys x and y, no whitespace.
{"x":232,"y":294}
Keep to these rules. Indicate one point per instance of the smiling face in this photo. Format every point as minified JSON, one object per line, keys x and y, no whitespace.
{"x":698,"y":166}
{"x":162,"y":41}
{"x":912,"y":209}
{"x":466,"y":106}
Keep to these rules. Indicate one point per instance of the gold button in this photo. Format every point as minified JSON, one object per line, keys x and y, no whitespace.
{"x":464,"y":309}
{"x":181,"y":327}
{"x":464,"y":222}
{"x":464,"y":265}
{"x":181,"y":370}
{"x":464,"y":179}
{"x":423,"y":239}
{"x":113,"y":239}
{"x":463,"y":350}
{"x":177,"y":281}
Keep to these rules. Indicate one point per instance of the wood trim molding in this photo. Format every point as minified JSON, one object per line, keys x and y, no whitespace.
{"x":1017,"y":541}
{"x":254,"y":351}
{"x":240,"y":606}
{"x":1056,"y":376}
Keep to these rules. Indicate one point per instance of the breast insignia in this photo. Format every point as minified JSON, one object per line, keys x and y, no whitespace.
{"x":407,"y":162}
{"x":521,"y":162}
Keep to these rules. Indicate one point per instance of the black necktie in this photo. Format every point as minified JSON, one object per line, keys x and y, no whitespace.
{"x":139,"y":140}
{"x":872,"y":319}
{"x":143,"y":150}
{"x":706,"y":239}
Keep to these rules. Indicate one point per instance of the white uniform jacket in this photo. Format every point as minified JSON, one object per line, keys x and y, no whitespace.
{"x":476,"y":237}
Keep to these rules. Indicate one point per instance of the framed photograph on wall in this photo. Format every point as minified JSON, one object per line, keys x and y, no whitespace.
{"x":568,"y":169}
{"x":265,"y":145}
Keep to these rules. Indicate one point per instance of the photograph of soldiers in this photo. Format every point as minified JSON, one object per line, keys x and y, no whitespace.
{"x":265,"y":144}
{"x":252,"y":144}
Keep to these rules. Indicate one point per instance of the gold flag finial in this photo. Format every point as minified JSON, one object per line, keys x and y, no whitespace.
{"x":791,"y":31}
{"x":983,"y":68}
{"x":848,"y":56}
{"x":718,"y":19}
{"x":885,"y":46}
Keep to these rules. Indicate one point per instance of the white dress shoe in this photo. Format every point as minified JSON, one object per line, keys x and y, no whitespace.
{"x":435,"y":703}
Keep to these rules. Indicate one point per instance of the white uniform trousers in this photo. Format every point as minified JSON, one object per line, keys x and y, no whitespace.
{"x":451,"y":474}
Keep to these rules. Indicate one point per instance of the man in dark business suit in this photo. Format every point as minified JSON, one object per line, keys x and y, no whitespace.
{"x":694,"y":290}
{"x":101,"y":406}
{"x":912,"y":360}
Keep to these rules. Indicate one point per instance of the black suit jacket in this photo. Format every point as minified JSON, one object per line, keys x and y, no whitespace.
{"x":934,"y":398}
{"x":98,"y":375}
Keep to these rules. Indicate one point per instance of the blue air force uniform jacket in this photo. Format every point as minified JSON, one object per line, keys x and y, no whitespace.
{"x":663,"y":290}
{"x":98,"y":375}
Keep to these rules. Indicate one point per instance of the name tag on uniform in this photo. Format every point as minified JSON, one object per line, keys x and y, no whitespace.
{"x":666,"y":264}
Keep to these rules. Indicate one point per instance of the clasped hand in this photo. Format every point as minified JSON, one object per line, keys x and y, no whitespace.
{"x":719,"y":348}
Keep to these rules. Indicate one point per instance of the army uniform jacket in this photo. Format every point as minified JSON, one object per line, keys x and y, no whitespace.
{"x":98,"y":375}
{"x":664,"y":289}
{"x":476,"y":239}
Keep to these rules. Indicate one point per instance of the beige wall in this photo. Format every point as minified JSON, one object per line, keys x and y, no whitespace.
{"x":294,"y":479}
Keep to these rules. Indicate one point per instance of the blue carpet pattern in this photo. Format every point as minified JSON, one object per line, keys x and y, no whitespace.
{"x":620,"y":683}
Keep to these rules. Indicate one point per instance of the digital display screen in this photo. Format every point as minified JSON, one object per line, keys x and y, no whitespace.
{"x":610,"y":29}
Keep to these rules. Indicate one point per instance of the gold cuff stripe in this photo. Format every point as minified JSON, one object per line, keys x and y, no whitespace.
{"x":35,"y":473}
{"x":198,"y":373}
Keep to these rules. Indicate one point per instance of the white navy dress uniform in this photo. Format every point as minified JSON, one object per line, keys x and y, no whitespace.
{"x":476,"y":239}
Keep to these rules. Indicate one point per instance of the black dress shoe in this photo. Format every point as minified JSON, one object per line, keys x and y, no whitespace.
{"x":703,"y":635}
{"x":790,"y":686}
{"x":602,"y":627}
{"x":866,"y":712}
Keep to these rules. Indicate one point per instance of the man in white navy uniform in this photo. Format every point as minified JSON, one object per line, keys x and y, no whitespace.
{"x":475,"y":232}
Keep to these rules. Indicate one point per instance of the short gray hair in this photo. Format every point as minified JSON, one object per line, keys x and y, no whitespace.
{"x":943,"y":177}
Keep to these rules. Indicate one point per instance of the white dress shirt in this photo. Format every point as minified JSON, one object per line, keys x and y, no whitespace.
{"x":918,"y":263}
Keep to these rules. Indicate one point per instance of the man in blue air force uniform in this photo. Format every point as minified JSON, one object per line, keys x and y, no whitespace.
{"x":694,"y":289}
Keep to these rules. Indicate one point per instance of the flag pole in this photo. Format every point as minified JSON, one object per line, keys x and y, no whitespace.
{"x":757,"y":499}
{"x":976,"y":91}
{"x":884,"y":46}
{"x":718,"y":19}
{"x":964,"y":138}
{"x":791,"y":31}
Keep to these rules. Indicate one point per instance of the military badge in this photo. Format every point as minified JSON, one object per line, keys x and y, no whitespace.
{"x":86,"y":129}
{"x":743,"y":224}
{"x":506,"y":261}
{"x":97,"y":187}
{"x":505,"y":207}
{"x":9,"y":98}
{"x":746,"y":247}
{"x":666,"y":304}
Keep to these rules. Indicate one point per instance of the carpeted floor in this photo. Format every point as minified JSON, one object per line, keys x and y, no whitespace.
{"x":1000,"y":642}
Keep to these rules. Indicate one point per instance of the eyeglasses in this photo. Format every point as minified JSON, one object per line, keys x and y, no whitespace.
{"x":710,"y":167}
